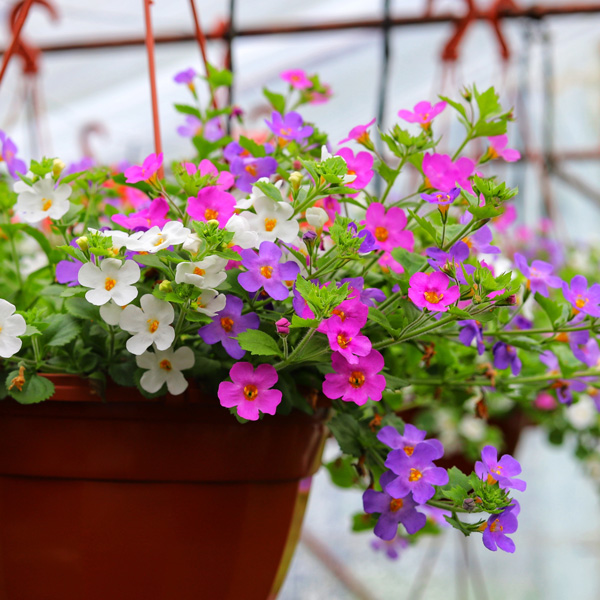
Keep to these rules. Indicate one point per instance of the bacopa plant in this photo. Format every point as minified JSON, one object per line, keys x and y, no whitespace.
{"x":270,"y":274}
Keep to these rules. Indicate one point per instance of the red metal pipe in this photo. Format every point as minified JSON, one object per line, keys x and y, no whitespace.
{"x":152,"y":74}
{"x":15,"y":39}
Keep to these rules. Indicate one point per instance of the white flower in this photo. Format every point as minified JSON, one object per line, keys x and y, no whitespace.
{"x":207,"y":273}
{"x":583,"y":414}
{"x":119,"y":239}
{"x":112,"y":280}
{"x":210,"y":302}
{"x":192,"y":243}
{"x":149,"y":325}
{"x":42,"y":200}
{"x":471,"y":428}
{"x":165,"y":366}
{"x":111,"y":312}
{"x":155,"y":239}
{"x":272,"y":221}
{"x":11,"y":326}
{"x":316,"y":217}
{"x":243,"y":235}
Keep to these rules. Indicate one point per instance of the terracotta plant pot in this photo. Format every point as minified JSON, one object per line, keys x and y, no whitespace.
{"x":130,"y":498}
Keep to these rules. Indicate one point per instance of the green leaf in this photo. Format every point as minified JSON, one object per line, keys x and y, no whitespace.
{"x":463,"y":314}
{"x":347,"y":432}
{"x":378,"y":317}
{"x":552,"y":309}
{"x":426,"y":225}
{"x":36,"y":388}
{"x":61,"y":330}
{"x":411,"y":262}
{"x":76,"y":290}
{"x":488,"y":103}
{"x":81,"y":308}
{"x":298,"y":322}
{"x":277,"y":100}
{"x":31,"y":330}
{"x":269,"y":190}
{"x":456,"y":106}
{"x":219,"y":78}
{"x":363,"y":521}
{"x":188,"y":110}
{"x":342,"y":472}
{"x":258,"y":343}
{"x":255,"y":149}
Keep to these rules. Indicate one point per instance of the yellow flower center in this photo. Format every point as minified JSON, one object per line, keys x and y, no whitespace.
{"x":381,"y":234}
{"x":468,"y":242}
{"x":415,"y":475}
{"x":109,"y":284}
{"x":250,"y":392}
{"x":581,"y":301}
{"x":210,"y":214}
{"x":46,"y":203}
{"x":270,"y":224}
{"x":166,"y":365}
{"x":199,"y":271}
{"x":433,"y":297}
{"x":227,"y":323}
{"x":396,"y":504}
{"x":153,"y":325}
{"x":159,"y":241}
{"x":343,"y":340}
{"x":266,"y":271}
{"x":356,"y":379}
{"x":252,"y":169}
{"x":409,"y":450}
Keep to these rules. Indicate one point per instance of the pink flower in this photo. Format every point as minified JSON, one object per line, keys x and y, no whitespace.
{"x":224,"y":178}
{"x":506,"y":219}
{"x":544,"y":401}
{"x":388,"y":227}
{"x":153,"y":215}
{"x":282,"y":326}
{"x":423,"y":113}
{"x":148,"y":170}
{"x":387,"y":261}
{"x":357,"y":382}
{"x":211,"y":203}
{"x":344,"y":339}
{"x":498,"y":149}
{"x":250,"y":390}
{"x":430,"y":290}
{"x":297,"y":79}
{"x":442,"y":174}
{"x":359,"y":165}
{"x":320,"y":98}
{"x":351,"y":312}
{"x":359,"y":133}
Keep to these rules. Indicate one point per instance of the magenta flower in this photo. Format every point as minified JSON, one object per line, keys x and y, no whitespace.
{"x":148,"y":170}
{"x":498,"y":526}
{"x":345,"y":339}
{"x":506,"y":219}
{"x":423,"y":113}
{"x":503,"y":471}
{"x":392,"y":511}
{"x":444,"y":175}
{"x":416,"y":473}
{"x":8,"y":154}
{"x":224,"y":178}
{"x":186,"y":77}
{"x":357,"y":382}
{"x":282,"y":326}
{"x":211,"y":131}
{"x":211,"y":203}
{"x":442,"y":198}
{"x":430,"y":290}
{"x":227,"y":325}
{"x":249,"y":170}
{"x":250,"y":390}
{"x":388,"y":227}
{"x":498,"y":149}
{"x":539,"y":275}
{"x":351,"y":312}
{"x":265,"y":271}
{"x":408,"y":441}
{"x":289,"y":127}
{"x":360,"y":133}
{"x":360,"y":165}
{"x":583,"y":299}
{"x":153,"y":215}
{"x":297,"y":79}
{"x":506,"y":356}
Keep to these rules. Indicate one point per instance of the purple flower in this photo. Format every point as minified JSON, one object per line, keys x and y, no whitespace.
{"x":356,"y":382}
{"x":584,"y":348}
{"x":442,"y":198}
{"x":392,"y":548}
{"x":564,"y":387}
{"x":430,"y":290}
{"x":368,"y":296}
{"x":67,"y":271}
{"x":408,"y":441}
{"x":8,"y":154}
{"x":471,"y":330}
{"x":153,"y":215}
{"x":498,"y":526}
{"x":211,"y":131}
{"x":539,"y":275}
{"x":521,"y":322}
{"x":265,"y":270}
{"x":454,"y":258}
{"x":392,"y":511}
{"x":416,"y":473}
{"x":583,"y":299}
{"x":227,"y":325}
{"x":289,"y":127}
{"x":502,"y":471}
{"x":234,"y":150}
{"x":369,"y":242}
{"x":250,"y":391}
{"x":186,"y":76}
{"x":250,"y":170}
{"x":479,"y":241}
{"x":506,"y":356}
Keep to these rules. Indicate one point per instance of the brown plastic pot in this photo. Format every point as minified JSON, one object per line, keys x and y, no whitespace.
{"x":127,"y":499}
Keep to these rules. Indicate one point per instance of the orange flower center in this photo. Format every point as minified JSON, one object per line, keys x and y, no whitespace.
{"x":152,"y":325}
{"x":343,"y":340}
{"x":396,"y":504}
{"x":199,"y":271}
{"x":227,"y":323}
{"x":340,"y":313}
{"x":495,"y":525}
{"x":351,"y":172}
{"x":356,"y":379}
{"x":409,"y":450}
{"x":415,"y":475}
{"x":381,"y":234}
{"x":363,"y":138}
{"x":493,"y":153}
{"x":166,"y":365}
{"x":109,"y":284}
{"x":210,"y":214}
{"x":581,"y":301}
{"x":433,"y":297}
{"x":270,"y":224}
{"x":250,"y":392}
{"x":266,"y":271}
{"x":46,"y":203}
{"x":252,"y":169}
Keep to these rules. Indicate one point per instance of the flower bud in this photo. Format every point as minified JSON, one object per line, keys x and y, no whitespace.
{"x":58,"y":167}
{"x":192,"y":243}
{"x":469,"y":504}
{"x":296,"y":179}
{"x":83,"y":243}
{"x":165,"y":286}
{"x":317,"y":217}
{"x":283,"y":326}
{"x":309,"y":237}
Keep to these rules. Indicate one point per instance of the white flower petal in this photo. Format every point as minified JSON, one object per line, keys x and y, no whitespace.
{"x":176,"y":383}
{"x":153,"y":380}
